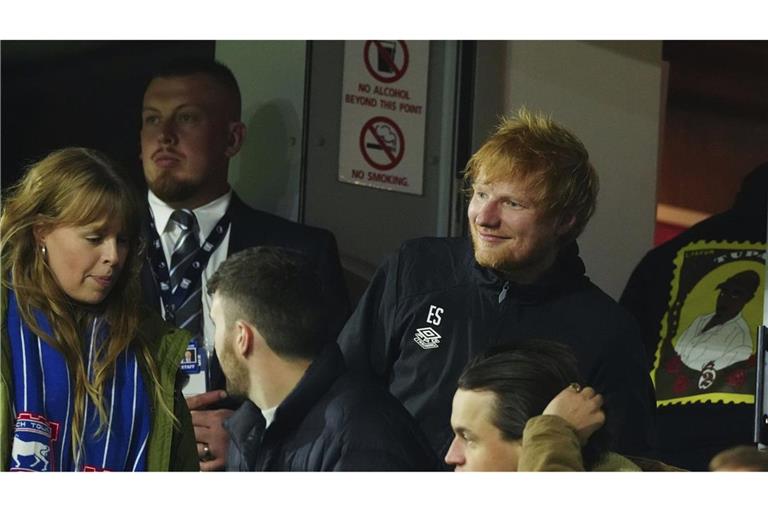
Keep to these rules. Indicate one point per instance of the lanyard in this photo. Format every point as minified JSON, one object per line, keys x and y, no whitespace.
{"x":192,"y":274}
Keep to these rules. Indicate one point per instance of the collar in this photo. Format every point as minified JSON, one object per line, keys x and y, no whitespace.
{"x":319,"y":377}
{"x":247,"y":426}
{"x":207,"y":215}
{"x":566,"y":273}
{"x":734,"y":320}
{"x":246,"y":419}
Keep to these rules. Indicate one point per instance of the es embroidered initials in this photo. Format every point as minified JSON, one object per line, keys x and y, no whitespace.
{"x":434,"y":317}
{"x":427,"y":337}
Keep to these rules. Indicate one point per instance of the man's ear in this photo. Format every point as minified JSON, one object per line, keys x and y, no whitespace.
{"x":565,"y":224}
{"x":247,"y":338}
{"x":235,"y":138}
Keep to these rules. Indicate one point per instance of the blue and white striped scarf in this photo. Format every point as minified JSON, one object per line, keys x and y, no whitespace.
{"x":44,"y":402}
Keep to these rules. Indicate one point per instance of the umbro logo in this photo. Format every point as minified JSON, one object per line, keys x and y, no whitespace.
{"x":427,"y":337}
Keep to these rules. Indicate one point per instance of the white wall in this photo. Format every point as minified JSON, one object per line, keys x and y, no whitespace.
{"x":271,"y":76}
{"x":608,"y":94}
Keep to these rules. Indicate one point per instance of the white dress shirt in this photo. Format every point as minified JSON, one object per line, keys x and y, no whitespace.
{"x":207,"y":216}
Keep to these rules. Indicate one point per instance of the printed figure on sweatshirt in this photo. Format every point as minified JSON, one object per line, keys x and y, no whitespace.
{"x":438,"y":302}
{"x":717,"y":340}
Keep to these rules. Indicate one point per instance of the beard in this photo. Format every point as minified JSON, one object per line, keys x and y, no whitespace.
{"x":504,"y":260}
{"x":171,"y":190}
{"x":234,"y":370}
{"x":495,"y":258}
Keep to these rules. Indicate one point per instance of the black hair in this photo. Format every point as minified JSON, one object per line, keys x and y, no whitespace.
{"x":276,"y":290}
{"x":524,"y":378}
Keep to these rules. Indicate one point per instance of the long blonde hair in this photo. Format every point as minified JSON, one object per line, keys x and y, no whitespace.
{"x":75,"y":187}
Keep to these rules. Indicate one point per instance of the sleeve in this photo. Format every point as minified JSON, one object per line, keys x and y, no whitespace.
{"x":183,"y":446}
{"x":381,"y":445}
{"x":549,"y":444}
{"x":646,"y":300}
{"x":630,"y":400}
{"x":367,"y":339}
{"x":686,"y":342}
{"x":6,"y":419}
{"x":372,"y":460}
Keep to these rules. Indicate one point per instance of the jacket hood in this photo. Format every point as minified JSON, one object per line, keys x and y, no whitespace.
{"x":752,"y":198}
{"x":566,"y":273}
{"x":318,"y":378}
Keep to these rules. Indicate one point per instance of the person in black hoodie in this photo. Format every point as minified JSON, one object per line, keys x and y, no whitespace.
{"x":304,"y":411}
{"x":715,"y":266}
{"x":438,"y":302}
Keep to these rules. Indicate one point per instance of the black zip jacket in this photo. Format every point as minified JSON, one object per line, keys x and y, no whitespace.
{"x":431,"y":308}
{"x":329,"y":422}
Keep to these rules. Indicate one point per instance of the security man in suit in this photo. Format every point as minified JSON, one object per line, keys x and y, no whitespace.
{"x":191,"y":127}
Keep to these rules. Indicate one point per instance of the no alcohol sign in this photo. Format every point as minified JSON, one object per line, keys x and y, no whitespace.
{"x":383,"y":114}
{"x":386,"y":61}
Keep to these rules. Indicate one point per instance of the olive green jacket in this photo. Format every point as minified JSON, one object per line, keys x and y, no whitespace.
{"x":170,"y":448}
{"x":551,"y":444}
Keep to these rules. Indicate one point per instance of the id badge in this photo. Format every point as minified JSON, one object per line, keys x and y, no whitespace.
{"x":195,"y":366}
{"x":193,"y":358}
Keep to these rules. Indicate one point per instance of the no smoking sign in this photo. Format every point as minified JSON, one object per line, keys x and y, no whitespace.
{"x":382,"y":143}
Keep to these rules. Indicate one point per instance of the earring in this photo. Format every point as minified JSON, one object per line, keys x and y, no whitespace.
{"x":44,"y":251}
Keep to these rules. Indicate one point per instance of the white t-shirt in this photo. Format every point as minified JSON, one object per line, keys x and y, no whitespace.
{"x":269,"y":416}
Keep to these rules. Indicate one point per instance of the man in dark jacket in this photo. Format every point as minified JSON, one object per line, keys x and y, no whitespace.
{"x":191,"y":128}
{"x":706,"y":393}
{"x":439,"y":302}
{"x":304,"y":412}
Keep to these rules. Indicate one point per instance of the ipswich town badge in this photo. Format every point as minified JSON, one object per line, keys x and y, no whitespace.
{"x":32,"y":443}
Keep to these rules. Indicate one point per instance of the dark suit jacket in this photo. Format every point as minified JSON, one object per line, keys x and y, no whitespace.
{"x":251,"y":228}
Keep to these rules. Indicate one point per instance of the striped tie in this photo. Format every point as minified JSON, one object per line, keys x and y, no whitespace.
{"x":188,"y":314}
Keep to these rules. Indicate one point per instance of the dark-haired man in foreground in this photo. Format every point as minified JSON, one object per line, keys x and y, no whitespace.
{"x":304,"y":412}
{"x":523,"y":409}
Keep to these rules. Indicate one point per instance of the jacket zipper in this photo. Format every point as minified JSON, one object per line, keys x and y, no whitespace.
{"x":503,"y":294}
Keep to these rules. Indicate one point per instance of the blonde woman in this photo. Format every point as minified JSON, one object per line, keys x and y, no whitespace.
{"x":89,"y":378}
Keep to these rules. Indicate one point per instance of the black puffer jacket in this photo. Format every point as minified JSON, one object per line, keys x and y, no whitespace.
{"x":431,"y":308}
{"x":329,"y":422}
